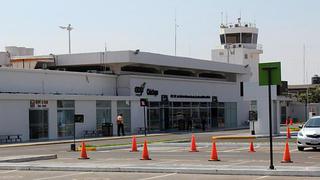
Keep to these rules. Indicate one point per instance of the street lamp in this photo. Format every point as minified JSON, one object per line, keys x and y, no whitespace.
{"x":68,"y":28}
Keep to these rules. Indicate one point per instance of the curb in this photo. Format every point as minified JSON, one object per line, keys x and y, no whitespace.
{"x":77,"y":141}
{"x":27,"y":158}
{"x":260,"y":171}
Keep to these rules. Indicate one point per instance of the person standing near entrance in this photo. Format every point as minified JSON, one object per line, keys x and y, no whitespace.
{"x":120,"y":124}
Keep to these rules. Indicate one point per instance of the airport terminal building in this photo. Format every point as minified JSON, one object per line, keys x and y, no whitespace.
{"x":39,"y":95}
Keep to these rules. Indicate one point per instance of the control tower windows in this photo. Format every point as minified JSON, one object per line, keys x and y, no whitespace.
{"x":254,"y":38}
{"x":222,"y":39}
{"x":246,"y":37}
{"x":233,"y":38}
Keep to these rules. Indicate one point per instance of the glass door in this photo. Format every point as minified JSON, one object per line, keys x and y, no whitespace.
{"x":38,"y":124}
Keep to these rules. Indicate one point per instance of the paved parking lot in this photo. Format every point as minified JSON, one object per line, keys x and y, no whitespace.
{"x":232,"y":153}
{"x":60,"y":175}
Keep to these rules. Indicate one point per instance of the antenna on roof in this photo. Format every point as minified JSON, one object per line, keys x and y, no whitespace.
{"x":221,"y":18}
{"x":226,"y":18}
{"x":105,"y":57}
{"x":175,"y":32}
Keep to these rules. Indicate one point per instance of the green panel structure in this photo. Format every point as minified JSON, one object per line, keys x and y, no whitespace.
{"x":275,"y":73}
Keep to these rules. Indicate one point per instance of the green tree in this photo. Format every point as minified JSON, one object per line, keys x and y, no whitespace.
{"x":313,"y":95}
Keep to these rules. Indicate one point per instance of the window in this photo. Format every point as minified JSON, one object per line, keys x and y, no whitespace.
{"x":154,"y":116}
{"x":246,"y":37}
{"x":103,"y":110}
{"x":221,"y":54}
{"x":65,"y":118}
{"x":254,"y":38}
{"x":246,"y":56}
{"x":233,"y":38}
{"x":222,"y":39}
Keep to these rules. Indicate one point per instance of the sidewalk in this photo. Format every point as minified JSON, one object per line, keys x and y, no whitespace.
{"x":183,"y":169}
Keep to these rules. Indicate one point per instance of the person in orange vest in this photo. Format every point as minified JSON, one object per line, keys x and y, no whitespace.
{"x":120,"y":124}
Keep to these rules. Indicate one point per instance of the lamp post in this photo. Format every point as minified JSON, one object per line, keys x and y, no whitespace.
{"x":68,"y":28}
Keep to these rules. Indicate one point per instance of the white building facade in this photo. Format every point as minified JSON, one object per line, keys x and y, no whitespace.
{"x":184,"y":94}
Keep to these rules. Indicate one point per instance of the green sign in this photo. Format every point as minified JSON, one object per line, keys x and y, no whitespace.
{"x":274,"y":68}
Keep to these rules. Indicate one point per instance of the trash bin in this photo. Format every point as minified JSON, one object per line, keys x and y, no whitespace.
{"x":107,"y":129}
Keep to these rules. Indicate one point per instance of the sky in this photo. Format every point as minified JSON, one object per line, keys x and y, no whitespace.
{"x":285,"y":26}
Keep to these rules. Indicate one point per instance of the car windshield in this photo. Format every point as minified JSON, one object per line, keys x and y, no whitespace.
{"x":314,"y":122}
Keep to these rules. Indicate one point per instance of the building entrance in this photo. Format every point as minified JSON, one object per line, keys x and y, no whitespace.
{"x":38,"y":123}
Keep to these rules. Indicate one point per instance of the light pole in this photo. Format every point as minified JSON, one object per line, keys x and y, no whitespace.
{"x":68,"y":28}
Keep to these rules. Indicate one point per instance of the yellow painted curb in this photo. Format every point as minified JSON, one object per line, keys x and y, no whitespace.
{"x":87,"y":148}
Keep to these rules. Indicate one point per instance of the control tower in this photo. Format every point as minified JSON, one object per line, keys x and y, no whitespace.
{"x":239,"y":46}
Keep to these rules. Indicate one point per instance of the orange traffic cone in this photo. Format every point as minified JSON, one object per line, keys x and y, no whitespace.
{"x":286,"y":156}
{"x":193,"y":146}
{"x":214,"y":154}
{"x":288,"y":133}
{"x":251,"y":147}
{"x":134,"y":144}
{"x":145,"y":153}
{"x":83,"y":154}
{"x":291,"y":121}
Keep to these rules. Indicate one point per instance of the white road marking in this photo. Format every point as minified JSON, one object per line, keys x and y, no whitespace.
{"x":262,"y":177}
{"x":169,"y":161}
{"x":176,"y":150}
{"x":155,"y":177}
{"x":54,"y":177}
{"x":5,"y":172}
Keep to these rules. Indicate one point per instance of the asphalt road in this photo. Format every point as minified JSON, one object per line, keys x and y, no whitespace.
{"x":59,"y":175}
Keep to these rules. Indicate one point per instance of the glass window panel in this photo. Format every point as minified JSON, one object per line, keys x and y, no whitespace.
{"x":65,"y":123}
{"x":65,"y":104}
{"x":103,"y":116}
{"x":186,"y":104}
{"x":154,"y":104}
{"x":123,"y":104}
{"x":103,"y":104}
{"x":195,"y":104}
{"x":38,"y":124}
{"x":254,"y":38}
{"x":233,"y":38}
{"x":246,"y":37}
{"x":222,"y":39}
{"x":176,"y":104}
{"x":203,"y":104}
{"x":154,"y":119}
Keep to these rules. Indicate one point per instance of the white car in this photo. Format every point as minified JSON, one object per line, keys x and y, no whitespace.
{"x":309,"y":135}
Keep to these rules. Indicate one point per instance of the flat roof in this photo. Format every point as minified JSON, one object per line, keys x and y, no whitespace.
{"x":133,"y":57}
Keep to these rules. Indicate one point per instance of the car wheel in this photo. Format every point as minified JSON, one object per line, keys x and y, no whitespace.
{"x":300,"y":148}
{"x":315,"y":148}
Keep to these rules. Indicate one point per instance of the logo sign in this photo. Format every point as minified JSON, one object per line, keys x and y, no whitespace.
{"x":275,"y":69}
{"x":143,"y":102}
{"x":139,"y":89}
{"x":78,"y":118}
{"x":38,"y":103}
